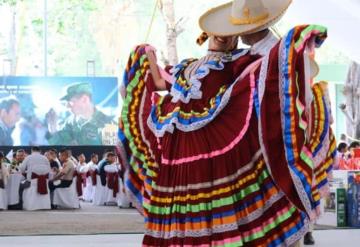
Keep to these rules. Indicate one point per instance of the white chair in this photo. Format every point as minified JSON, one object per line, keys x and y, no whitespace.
{"x":3,"y":199}
{"x":99,"y":193}
{"x":12,"y":188}
{"x":123,"y":200}
{"x":89,"y":189}
{"x":32,"y":197}
{"x":67,"y":197}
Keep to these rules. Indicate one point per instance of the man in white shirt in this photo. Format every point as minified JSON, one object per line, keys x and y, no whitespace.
{"x":261,"y":42}
{"x":35,"y":163}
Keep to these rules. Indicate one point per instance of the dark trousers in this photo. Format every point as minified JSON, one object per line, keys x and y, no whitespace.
{"x":102,"y":175}
{"x":63,"y":184}
{"x":23,"y":185}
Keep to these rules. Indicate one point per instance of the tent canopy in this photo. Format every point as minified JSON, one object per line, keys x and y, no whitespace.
{"x":342,"y":19}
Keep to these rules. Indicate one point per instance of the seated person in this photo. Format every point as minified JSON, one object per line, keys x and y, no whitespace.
{"x":52,"y":157}
{"x":66,"y":172}
{"x":18,"y":158}
{"x":4,"y":172}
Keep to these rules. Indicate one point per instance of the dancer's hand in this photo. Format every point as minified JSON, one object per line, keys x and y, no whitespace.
{"x":158,"y":80}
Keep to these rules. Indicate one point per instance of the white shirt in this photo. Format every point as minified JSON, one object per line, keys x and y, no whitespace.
{"x":264,"y":46}
{"x":91,"y":166}
{"x":35,"y":163}
{"x":82,"y":168}
{"x":111,"y":168}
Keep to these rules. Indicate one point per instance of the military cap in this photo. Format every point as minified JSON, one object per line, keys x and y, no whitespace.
{"x":77,"y":89}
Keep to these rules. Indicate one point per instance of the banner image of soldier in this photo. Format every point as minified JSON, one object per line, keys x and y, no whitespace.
{"x":85,"y":123}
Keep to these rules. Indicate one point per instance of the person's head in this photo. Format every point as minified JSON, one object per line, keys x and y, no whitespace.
{"x":95,"y":158}
{"x":80,"y":104}
{"x":79,"y":98}
{"x":47,"y":155}
{"x":64,"y":155}
{"x":51,"y":155}
{"x":106,"y":151}
{"x":35,"y":149}
{"x":81,"y":158}
{"x":111,"y":157}
{"x":223,"y":44}
{"x":10,"y":111}
{"x":253,"y":38}
{"x":20,"y":155}
{"x":354,"y":144}
{"x":342,"y":147}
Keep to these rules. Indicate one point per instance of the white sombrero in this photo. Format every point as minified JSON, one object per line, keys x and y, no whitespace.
{"x":241,"y":17}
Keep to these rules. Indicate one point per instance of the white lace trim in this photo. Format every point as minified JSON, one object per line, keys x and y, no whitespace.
{"x":195,"y":80}
{"x":322,"y":153}
{"x":297,"y":236}
{"x":262,"y":77}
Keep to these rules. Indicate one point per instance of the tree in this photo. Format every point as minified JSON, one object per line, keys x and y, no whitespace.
{"x":12,"y":4}
{"x":173,"y":29}
{"x":351,"y":108}
{"x":112,"y":28}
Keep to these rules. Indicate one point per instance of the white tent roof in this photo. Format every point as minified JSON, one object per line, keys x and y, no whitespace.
{"x":341,"y":17}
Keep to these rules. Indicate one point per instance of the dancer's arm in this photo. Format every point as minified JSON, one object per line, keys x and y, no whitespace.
{"x":159,"y":75}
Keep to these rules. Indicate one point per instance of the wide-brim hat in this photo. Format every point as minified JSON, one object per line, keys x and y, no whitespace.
{"x":240,"y":17}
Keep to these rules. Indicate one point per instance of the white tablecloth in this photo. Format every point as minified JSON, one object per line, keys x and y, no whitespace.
{"x":12,"y":188}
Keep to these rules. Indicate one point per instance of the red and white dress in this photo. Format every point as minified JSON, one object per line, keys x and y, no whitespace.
{"x":224,"y":159}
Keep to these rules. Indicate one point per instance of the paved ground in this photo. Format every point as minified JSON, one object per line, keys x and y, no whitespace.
{"x":324,"y":238}
{"x":105,"y":227}
{"x":87,"y":220}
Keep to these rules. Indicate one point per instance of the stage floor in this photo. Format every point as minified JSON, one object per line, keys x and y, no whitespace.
{"x":323,"y":238}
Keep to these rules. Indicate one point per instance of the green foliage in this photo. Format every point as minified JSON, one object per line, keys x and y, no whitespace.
{"x":10,"y":2}
{"x":37,"y":25}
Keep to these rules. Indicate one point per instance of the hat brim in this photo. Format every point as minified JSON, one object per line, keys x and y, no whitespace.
{"x":217,"y":22}
{"x":65,"y":98}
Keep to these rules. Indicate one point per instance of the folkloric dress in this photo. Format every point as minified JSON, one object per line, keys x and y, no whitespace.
{"x":227,"y":157}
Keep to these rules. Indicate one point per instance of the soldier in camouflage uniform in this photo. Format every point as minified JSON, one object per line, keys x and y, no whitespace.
{"x":85,"y":124}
